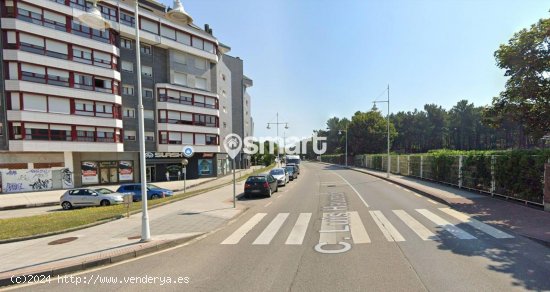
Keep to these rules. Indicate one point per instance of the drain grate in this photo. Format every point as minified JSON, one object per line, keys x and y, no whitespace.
{"x":62,"y":240}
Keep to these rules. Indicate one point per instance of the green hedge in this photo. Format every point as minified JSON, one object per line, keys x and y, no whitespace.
{"x":518,"y":174}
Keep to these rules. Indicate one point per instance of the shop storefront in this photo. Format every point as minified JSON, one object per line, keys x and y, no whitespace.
{"x":167,"y":166}
{"x":107,"y":172}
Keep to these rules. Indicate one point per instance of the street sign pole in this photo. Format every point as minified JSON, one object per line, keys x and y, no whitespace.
{"x":234,"y":187}
{"x":184,"y":178}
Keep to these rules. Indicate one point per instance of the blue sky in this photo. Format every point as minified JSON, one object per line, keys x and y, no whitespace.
{"x":314,"y":59}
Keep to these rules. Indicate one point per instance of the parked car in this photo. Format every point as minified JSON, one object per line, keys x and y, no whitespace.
{"x":263,"y":184}
{"x":295,"y":165}
{"x":292,"y":172}
{"x":83,"y":197}
{"x":281,"y":175}
{"x":153,"y":192}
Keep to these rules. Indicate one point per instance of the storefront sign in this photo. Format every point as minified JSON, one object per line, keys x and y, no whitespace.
{"x":89,"y":172}
{"x":125,"y":170}
{"x":207,"y":155}
{"x":205,"y":166}
{"x":163,"y":155}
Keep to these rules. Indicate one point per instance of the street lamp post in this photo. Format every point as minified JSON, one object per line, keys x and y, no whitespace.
{"x":184,"y":163}
{"x":95,"y":20}
{"x":388,"y":101}
{"x":277,"y":124}
{"x":340,"y":132}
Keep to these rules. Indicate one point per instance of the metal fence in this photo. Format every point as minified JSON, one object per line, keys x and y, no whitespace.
{"x":499,"y":175}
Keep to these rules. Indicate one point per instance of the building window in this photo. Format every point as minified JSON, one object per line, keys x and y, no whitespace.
{"x":147,"y":71}
{"x":130,"y":135}
{"x":180,"y":78}
{"x":211,"y":140}
{"x":224,"y":109}
{"x":147,"y":93}
{"x":224,"y":125}
{"x":200,"y":64}
{"x":145,"y":49}
{"x":149,"y":136}
{"x":127,"y":66}
{"x":127,"y":19}
{"x":127,"y":89}
{"x":125,"y":43}
{"x":83,"y":81}
{"x":129,"y":112}
{"x":200,"y":83}
{"x":148,"y":114}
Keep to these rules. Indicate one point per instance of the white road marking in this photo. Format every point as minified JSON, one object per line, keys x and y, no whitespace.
{"x":299,"y":231}
{"x":244,"y":229}
{"x":417,"y":195}
{"x":446,"y":225}
{"x":358,"y":232}
{"x":269,"y":232}
{"x":432,"y":201}
{"x":359,"y":195}
{"x":416,"y":226}
{"x":386,"y":227}
{"x":476,"y":224}
{"x":268,"y":204}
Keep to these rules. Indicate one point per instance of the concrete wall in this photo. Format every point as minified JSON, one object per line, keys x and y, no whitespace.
{"x":4,"y":131}
{"x":225,"y":102}
{"x":29,"y":157}
{"x":158,"y":60}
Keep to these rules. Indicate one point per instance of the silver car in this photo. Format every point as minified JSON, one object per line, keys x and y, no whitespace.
{"x":84,"y":197}
{"x":281,"y":175}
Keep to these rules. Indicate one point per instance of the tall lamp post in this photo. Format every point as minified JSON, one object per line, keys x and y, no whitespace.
{"x":94,"y":19}
{"x":340,"y":133}
{"x":277,"y":124}
{"x":388,"y":101}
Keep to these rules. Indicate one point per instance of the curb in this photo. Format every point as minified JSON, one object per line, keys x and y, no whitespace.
{"x":36,"y":205}
{"x":424,"y":193}
{"x":106,"y":260}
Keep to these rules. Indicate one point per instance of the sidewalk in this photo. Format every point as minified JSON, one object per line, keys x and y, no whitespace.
{"x":118,"y":240}
{"x":49,"y":198}
{"x":525,"y":221}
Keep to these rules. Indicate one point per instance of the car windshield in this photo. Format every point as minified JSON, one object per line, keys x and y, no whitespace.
{"x":104,"y":191}
{"x":290,"y":169}
{"x":256,"y":179}
{"x":277,"y":172}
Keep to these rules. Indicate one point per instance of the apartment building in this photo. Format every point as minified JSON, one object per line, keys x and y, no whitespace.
{"x":68,"y":106}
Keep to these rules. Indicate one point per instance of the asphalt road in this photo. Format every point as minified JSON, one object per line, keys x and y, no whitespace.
{"x":338,"y":230}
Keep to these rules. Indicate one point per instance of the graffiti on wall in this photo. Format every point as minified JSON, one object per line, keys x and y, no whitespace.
{"x":24,"y":180}
{"x":67,"y":178}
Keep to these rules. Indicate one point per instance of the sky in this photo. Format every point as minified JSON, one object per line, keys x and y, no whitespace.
{"x":314,"y":59}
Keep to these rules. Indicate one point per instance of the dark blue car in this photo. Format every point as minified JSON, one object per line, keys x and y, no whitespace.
{"x":153,"y":192}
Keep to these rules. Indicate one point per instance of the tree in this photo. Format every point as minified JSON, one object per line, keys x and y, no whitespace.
{"x":368,"y":132}
{"x":526,"y":98}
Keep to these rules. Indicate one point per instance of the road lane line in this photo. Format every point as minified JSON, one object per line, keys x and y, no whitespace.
{"x":244,"y":229}
{"x":359,"y":195}
{"x":268,"y":204}
{"x":476,"y":224}
{"x":269,"y":232}
{"x":423,"y":232}
{"x":446,"y":225}
{"x":386,"y":227}
{"x":417,"y":195}
{"x":299,"y":230}
{"x":358,"y":232}
{"x":432,"y":201}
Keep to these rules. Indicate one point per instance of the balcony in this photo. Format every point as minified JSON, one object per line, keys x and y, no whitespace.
{"x":62,"y":146}
{"x":41,"y":117}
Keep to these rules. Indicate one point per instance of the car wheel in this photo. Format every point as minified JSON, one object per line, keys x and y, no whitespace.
{"x":104,"y":203}
{"x":154,"y":197}
{"x":66,"y":205}
{"x":276,"y":188}
{"x":269,"y":192}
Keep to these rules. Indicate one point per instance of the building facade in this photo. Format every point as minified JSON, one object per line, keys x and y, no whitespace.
{"x":68,"y":96}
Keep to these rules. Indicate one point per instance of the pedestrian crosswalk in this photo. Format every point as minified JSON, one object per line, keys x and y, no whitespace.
{"x":389,"y":226}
